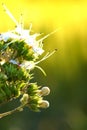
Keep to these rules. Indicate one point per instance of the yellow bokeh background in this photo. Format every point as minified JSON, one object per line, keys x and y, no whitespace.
{"x":67,"y":69}
{"x":69,"y":17}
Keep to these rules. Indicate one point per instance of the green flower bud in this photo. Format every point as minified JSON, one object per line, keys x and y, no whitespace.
{"x":3,"y":77}
{"x":32,"y":89}
{"x":24,"y":99}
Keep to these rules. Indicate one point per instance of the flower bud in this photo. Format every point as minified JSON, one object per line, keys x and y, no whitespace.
{"x":24,"y":99}
{"x":44,"y":104}
{"x":44,"y":91}
{"x":2,"y":61}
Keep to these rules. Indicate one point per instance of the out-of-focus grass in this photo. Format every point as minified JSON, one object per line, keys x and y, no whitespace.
{"x":66,"y":70}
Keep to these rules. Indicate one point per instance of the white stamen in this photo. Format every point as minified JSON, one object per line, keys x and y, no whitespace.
{"x":46,"y":56}
{"x":30,"y":27}
{"x":10,"y":15}
{"x":47,"y":35}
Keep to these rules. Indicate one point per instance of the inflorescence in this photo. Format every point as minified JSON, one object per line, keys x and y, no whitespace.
{"x":19,"y":54}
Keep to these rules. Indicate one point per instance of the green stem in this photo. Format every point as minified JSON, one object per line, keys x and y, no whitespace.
{"x":20,"y":108}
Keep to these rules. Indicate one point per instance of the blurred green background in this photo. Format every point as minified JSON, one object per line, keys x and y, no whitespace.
{"x":66,"y":69}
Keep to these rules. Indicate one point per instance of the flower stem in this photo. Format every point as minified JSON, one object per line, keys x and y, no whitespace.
{"x":20,"y":108}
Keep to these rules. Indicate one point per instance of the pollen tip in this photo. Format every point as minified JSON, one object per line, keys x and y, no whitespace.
{"x":56,"y":49}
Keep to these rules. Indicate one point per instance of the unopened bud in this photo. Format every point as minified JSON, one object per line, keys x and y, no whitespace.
{"x":44,"y":104}
{"x":44,"y":91}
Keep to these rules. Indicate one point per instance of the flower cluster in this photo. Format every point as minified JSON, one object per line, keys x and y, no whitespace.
{"x":33,"y":98}
{"x":19,"y":52}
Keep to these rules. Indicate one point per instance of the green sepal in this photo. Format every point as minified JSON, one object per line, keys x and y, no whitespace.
{"x":34,"y":108}
{"x":32,"y":89}
{"x":3,"y":77}
{"x":7,"y":91}
{"x":2,"y":96}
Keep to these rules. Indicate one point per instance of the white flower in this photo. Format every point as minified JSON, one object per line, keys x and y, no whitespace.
{"x":23,"y":34}
{"x":8,"y":35}
{"x":28,"y":65}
